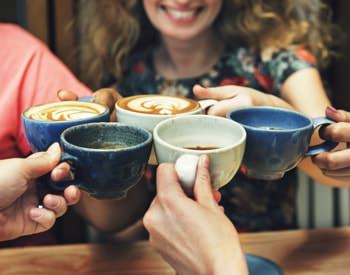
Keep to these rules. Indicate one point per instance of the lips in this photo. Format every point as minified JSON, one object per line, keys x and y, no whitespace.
{"x":182,"y":15}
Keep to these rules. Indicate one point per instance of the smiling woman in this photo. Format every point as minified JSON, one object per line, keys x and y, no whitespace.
{"x":265,"y":52}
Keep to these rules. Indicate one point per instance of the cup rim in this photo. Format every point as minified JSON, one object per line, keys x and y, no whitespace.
{"x":106,"y":111}
{"x":148,"y":140}
{"x":189,"y":151}
{"x":139,"y":114}
{"x":284,"y":110}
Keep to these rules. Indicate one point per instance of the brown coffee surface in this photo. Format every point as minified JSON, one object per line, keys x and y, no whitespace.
{"x":62,"y":111}
{"x":202,"y":148}
{"x":106,"y":145}
{"x":158,"y":104}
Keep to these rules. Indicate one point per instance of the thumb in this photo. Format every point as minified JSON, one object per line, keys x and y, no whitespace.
{"x":41,"y":163}
{"x":337,"y":115}
{"x":219,"y":93}
{"x":203,"y":193}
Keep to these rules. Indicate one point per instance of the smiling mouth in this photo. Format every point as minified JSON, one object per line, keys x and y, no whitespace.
{"x":182,"y":14}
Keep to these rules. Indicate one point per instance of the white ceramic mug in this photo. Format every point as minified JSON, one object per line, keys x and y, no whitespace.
{"x":221,"y":139}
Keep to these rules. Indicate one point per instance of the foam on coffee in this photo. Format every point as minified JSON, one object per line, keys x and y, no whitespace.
{"x":158,"y":104}
{"x":64,"y":111}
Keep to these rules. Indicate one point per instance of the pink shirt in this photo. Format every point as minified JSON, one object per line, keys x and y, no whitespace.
{"x":29,"y":74}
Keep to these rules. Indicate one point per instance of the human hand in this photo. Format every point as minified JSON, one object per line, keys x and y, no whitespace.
{"x":232,"y":97}
{"x":105,"y":96}
{"x":193,"y":235}
{"x":19,"y":212}
{"x":336,"y":164}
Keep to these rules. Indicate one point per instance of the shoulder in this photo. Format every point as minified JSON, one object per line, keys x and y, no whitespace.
{"x":292,"y":54}
{"x":19,"y":40}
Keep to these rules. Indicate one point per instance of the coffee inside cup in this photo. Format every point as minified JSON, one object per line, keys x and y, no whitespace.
{"x":64,"y":111}
{"x":158,"y":104}
{"x":201,"y":147}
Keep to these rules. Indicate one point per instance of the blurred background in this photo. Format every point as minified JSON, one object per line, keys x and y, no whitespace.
{"x":51,"y":21}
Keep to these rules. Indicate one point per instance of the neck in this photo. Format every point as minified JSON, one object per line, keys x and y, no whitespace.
{"x":183,"y":59}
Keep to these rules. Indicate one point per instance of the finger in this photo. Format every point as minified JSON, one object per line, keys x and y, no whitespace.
{"x":337,"y":115}
{"x":65,"y":95}
{"x":43,"y":218}
{"x":334,"y":160}
{"x":167,"y":181}
{"x":218,"y":93}
{"x":40,"y":164}
{"x":345,"y":172}
{"x":55,"y":203}
{"x":62,"y":172}
{"x":227,"y":105}
{"x":107,"y":96}
{"x":72,"y":195}
{"x":339,"y":132}
{"x":202,"y":190}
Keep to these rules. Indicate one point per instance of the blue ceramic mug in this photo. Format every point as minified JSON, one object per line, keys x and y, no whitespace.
{"x":44,"y":123}
{"x":277,"y":140}
{"x":106,"y":159}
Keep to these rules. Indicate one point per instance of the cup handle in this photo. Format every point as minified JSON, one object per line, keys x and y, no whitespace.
{"x":206,"y":104}
{"x":186,"y":169}
{"x":61,"y":185}
{"x":324,"y":146}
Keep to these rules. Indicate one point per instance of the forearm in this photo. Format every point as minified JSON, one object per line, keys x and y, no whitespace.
{"x":114,"y":215}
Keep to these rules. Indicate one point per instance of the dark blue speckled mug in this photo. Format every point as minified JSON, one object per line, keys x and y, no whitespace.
{"x":106,"y":159}
{"x":277,"y":140}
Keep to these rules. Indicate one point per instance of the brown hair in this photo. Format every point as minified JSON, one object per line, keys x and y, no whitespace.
{"x":112,"y":29}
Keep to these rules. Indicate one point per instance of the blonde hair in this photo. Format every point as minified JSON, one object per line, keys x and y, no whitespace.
{"x":110,"y":30}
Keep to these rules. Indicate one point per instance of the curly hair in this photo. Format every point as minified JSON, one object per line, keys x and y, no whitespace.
{"x":111,"y":30}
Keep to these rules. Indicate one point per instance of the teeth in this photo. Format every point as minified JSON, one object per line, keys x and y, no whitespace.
{"x":181,"y":14}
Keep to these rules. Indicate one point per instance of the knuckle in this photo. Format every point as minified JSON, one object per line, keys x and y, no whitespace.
{"x":330,"y":161}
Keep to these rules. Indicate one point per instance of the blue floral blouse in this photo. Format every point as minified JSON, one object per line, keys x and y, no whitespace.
{"x":253,"y":205}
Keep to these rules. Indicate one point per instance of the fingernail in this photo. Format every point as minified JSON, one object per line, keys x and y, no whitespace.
{"x":53,"y":150}
{"x":35,"y":213}
{"x":243,"y":170}
{"x":52,"y":202}
{"x":331,"y":109}
{"x":58,"y":92}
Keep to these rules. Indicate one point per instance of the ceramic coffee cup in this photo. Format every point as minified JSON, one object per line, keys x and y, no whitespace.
{"x":106,"y":159}
{"x":43,"y":124}
{"x":147,"y":111}
{"x":277,"y":140}
{"x":221,"y":139}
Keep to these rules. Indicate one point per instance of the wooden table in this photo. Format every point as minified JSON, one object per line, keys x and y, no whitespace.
{"x":297,"y":252}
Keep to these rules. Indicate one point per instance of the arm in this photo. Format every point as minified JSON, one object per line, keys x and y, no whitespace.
{"x":305,"y":92}
{"x":193,"y":235}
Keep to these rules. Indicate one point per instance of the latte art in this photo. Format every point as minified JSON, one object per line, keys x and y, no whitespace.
{"x":158,"y":104}
{"x":64,"y":111}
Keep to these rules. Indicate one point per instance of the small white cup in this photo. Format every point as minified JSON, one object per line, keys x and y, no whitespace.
{"x":173,"y":136}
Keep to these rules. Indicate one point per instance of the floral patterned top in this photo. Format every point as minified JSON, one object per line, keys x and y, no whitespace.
{"x":253,"y":205}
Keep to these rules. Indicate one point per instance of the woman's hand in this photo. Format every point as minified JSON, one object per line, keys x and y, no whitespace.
{"x":232,"y":97}
{"x":336,"y":164}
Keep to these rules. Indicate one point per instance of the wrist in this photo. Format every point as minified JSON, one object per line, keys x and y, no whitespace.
{"x":230,"y":264}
